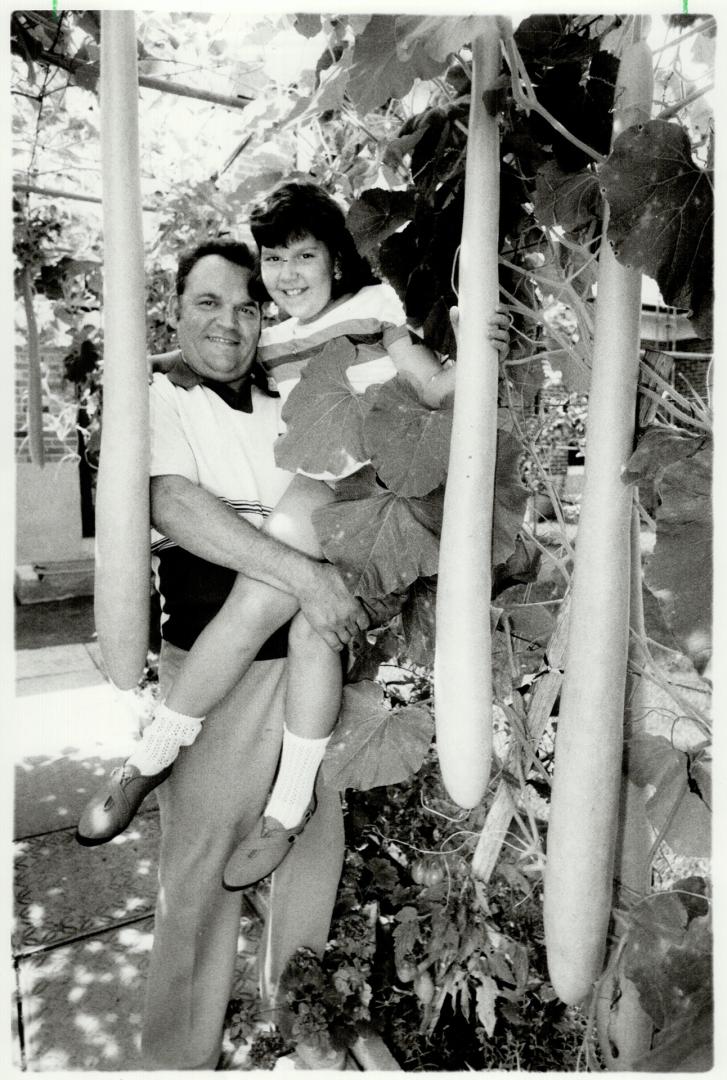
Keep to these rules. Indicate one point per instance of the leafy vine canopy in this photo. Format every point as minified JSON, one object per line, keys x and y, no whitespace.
{"x":375,"y":108}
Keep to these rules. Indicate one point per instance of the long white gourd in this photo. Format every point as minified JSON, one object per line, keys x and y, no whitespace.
{"x":36,"y":443}
{"x":122,"y":501}
{"x":589,"y":743}
{"x":463,"y":649}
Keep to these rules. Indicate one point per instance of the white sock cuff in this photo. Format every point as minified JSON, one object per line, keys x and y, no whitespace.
{"x":301,"y":742}
{"x":163,"y":712}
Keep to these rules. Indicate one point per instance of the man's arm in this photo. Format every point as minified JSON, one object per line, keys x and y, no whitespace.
{"x":200,"y":523}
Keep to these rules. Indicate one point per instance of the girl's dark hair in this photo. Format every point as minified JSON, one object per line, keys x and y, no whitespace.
{"x":299,"y":208}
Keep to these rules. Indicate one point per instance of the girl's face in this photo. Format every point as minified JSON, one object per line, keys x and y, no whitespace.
{"x":298,"y":276}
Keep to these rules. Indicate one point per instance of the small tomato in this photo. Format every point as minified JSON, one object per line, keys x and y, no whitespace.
{"x":434,"y":874}
{"x":418,"y":871}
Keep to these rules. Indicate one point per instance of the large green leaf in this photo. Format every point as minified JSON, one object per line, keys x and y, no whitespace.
{"x":511,"y":497}
{"x":381,"y":543}
{"x":324,"y":416}
{"x":439,"y":36}
{"x":306,"y":24}
{"x":329,"y":96}
{"x":378,"y":72}
{"x":373,"y":745}
{"x":677,"y":808}
{"x":686,"y":1046}
{"x":657,"y":448}
{"x":679,"y":571}
{"x":377,"y":214}
{"x":569,"y":200}
{"x":418,"y":619}
{"x":407,"y":441}
{"x":662,"y":206}
{"x":668,"y":957}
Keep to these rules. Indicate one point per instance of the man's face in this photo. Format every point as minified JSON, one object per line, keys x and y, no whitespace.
{"x":218,"y":325}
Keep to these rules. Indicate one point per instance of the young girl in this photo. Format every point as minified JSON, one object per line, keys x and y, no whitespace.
{"x":313,"y":273}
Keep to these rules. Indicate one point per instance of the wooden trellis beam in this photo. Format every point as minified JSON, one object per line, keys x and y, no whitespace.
{"x":89,"y":73}
{"x":59,"y":193}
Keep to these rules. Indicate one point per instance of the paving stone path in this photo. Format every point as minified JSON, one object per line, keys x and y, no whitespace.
{"x":83,"y":917}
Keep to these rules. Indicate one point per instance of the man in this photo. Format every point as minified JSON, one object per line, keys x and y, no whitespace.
{"x":213,"y":480}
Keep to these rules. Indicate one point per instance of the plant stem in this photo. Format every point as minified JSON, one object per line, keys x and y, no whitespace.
{"x":672,"y":110}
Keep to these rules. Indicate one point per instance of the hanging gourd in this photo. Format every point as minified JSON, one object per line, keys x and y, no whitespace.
{"x":122,"y":500}
{"x":463,"y":647}
{"x":584,"y":806}
{"x":35,"y":385}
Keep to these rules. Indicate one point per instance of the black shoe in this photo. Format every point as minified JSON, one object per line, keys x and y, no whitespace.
{"x":263,"y":850}
{"x":114,"y":805}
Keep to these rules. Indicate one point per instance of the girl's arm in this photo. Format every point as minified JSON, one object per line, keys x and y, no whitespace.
{"x":433,"y":382}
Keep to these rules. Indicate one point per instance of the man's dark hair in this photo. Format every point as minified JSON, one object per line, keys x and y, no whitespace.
{"x":232,"y":250}
{"x":298,"y":208}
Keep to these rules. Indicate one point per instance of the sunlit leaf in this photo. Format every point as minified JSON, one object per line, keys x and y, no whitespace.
{"x":307,"y":24}
{"x":679,"y":571}
{"x":485,"y":996}
{"x":676,"y":811}
{"x":381,"y":543}
{"x":372,"y":745}
{"x":378,"y":73}
{"x":438,"y":35}
{"x":657,"y":448}
{"x":324,"y":416}
{"x":330,"y":94}
{"x":407,"y":441}
{"x":662,"y":207}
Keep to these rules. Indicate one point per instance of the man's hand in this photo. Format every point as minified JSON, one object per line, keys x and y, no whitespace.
{"x":329,"y":607}
{"x":199,"y":522}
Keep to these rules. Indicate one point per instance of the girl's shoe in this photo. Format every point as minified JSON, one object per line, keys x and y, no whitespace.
{"x":263,"y":850}
{"x":114,"y":805}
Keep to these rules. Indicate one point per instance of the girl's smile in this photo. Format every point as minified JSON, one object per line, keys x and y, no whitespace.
{"x":298,"y":276}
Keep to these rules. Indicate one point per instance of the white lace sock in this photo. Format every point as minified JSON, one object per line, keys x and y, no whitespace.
{"x":162,"y":739}
{"x":299,"y":762}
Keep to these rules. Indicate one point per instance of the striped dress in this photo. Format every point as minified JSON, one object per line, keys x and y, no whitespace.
{"x":371,"y":320}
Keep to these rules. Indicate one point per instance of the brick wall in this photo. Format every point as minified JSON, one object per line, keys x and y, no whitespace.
{"x":695,"y":372}
{"x":59,"y":408}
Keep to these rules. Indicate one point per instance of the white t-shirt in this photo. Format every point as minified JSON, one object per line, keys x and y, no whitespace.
{"x":195,"y":434}
{"x":229,"y":452}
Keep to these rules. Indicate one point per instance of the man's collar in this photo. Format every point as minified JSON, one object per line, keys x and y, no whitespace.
{"x":181,"y":374}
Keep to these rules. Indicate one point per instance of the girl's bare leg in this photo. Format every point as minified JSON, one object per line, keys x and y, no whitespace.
{"x":314,"y":677}
{"x":225,"y":649}
{"x":314,"y":674}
